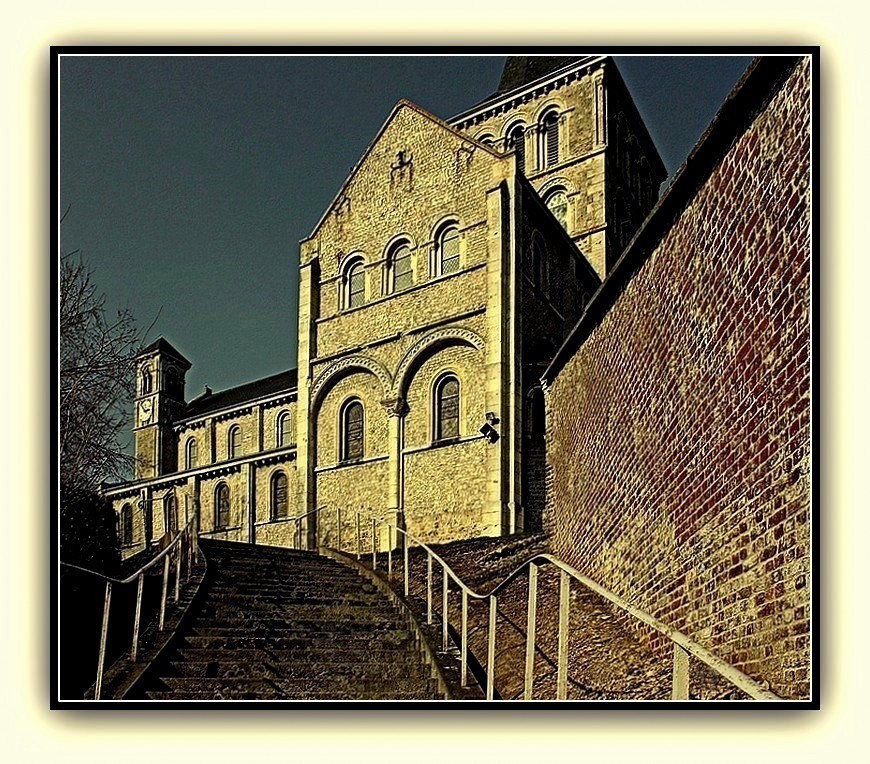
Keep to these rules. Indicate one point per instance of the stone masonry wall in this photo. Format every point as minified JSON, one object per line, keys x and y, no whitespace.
{"x":580,"y":170}
{"x":679,"y":432}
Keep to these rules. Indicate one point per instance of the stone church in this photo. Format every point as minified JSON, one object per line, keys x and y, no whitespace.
{"x":434,"y":292}
{"x":498,"y":315}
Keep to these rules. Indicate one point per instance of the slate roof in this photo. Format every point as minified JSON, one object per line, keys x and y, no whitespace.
{"x":162,"y":346}
{"x":520,"y":71}
{"x":284,"y":381}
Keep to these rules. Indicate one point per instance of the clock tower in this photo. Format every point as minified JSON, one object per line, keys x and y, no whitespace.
{"x":160,"y":371}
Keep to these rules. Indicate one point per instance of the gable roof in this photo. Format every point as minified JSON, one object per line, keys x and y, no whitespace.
{"x":403,"y":104}
{"x":284,"y":381}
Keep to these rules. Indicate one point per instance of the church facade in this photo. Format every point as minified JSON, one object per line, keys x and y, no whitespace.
{"x":434,"y":292}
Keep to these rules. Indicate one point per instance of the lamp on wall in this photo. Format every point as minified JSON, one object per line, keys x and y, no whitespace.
{"x":489,"y":433}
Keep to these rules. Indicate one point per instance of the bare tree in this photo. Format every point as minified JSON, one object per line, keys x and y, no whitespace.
{"x":96,"y":366}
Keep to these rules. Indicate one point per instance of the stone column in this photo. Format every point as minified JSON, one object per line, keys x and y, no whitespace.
{"x":306,"y":446}
{"x":499,"y":249}
{"x":600,"y":110}
{"x":250,"y":472}
{"x":197,"y":504}
{"x":396,"y":409}
{"x":212,"y":442}
{"x":259,"y":410}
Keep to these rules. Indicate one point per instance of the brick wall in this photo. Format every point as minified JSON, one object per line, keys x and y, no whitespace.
{"x":679,"y":430}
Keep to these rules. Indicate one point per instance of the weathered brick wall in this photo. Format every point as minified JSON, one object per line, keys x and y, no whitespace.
{"x":679,"y":432}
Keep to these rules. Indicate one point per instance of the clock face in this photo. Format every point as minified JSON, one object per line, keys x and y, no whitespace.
{"x":146,"y":411}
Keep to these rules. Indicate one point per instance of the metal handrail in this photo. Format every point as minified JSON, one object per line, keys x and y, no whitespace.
{"x":297,"y":521}
{"x":132,"y":577}
{"x":684,"y":647}
{"x":183,"y":536}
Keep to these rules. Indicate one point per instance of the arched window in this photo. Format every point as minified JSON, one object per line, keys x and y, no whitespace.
{"x":447,"y":408}
{"x":279,"y":505}
{"x":539,"y":259}
{"x":169,"y":515}
{"x":352,"y":445}
{"x":147,"y":382}
{"x":126,"y":522}
{"x":400,"y":275}
{"x":536,"y":426}
{"x":487,"y":140}
{"x":550,"y":139}
{"x":353,"y":285}
{"x":190,"y":454}
{"x":557,"y":203}
{"x":447,"y":251}
{"x":234,"y":442}
{"x":221,"y":506}
{"x":282,"y":430}
{"x":174,"y":385}
{"x":516,"y":141}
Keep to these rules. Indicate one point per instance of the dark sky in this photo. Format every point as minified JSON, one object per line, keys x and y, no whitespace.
{"x":190,"y":180}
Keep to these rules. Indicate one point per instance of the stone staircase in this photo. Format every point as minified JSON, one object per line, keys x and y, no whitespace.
{"x":280,"y":624}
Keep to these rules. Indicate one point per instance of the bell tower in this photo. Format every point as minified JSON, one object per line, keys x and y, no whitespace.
{"x":160,"y":371}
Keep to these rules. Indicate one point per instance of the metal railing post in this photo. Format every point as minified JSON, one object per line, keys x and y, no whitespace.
{"x":104,"y":631}
{"x":444,"y":608}
{"x":137,"y":618}
{"x":389,"y":554}
{"x":490,"y":651}
{"x":564,"y":604}
{"x":374,"y":545}
{"x":429,"y":588}
{"x":680,"y":678}
{"x":338,"y":523}
{"x":188,"y":545}
{"x":464,"y":679}
{"x":531,"y":620}
{"x":163,"y":596}
{"x":407,"y":581}
{"x":358,"y":538}
{"x":177,"y":573}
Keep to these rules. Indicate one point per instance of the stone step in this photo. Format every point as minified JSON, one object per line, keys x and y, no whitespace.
{"x":289,"y":589}
{"x":307,"y":630}
{"x":397,"y":669}
{"x":215,"y":642}
{"x":277,"y":688}
{"x":278,"y":624}
{"x":255,"y":605}
{"x":253,"y":610}
{"x":310,"y":695}
{"x":233,"y":577}
{"x":299,"y":620}
{"x":347,"y":653}
{"x":286,"y":591}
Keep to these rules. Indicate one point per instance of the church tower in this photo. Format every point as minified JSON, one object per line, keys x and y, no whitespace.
{"x":160,"y":371}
